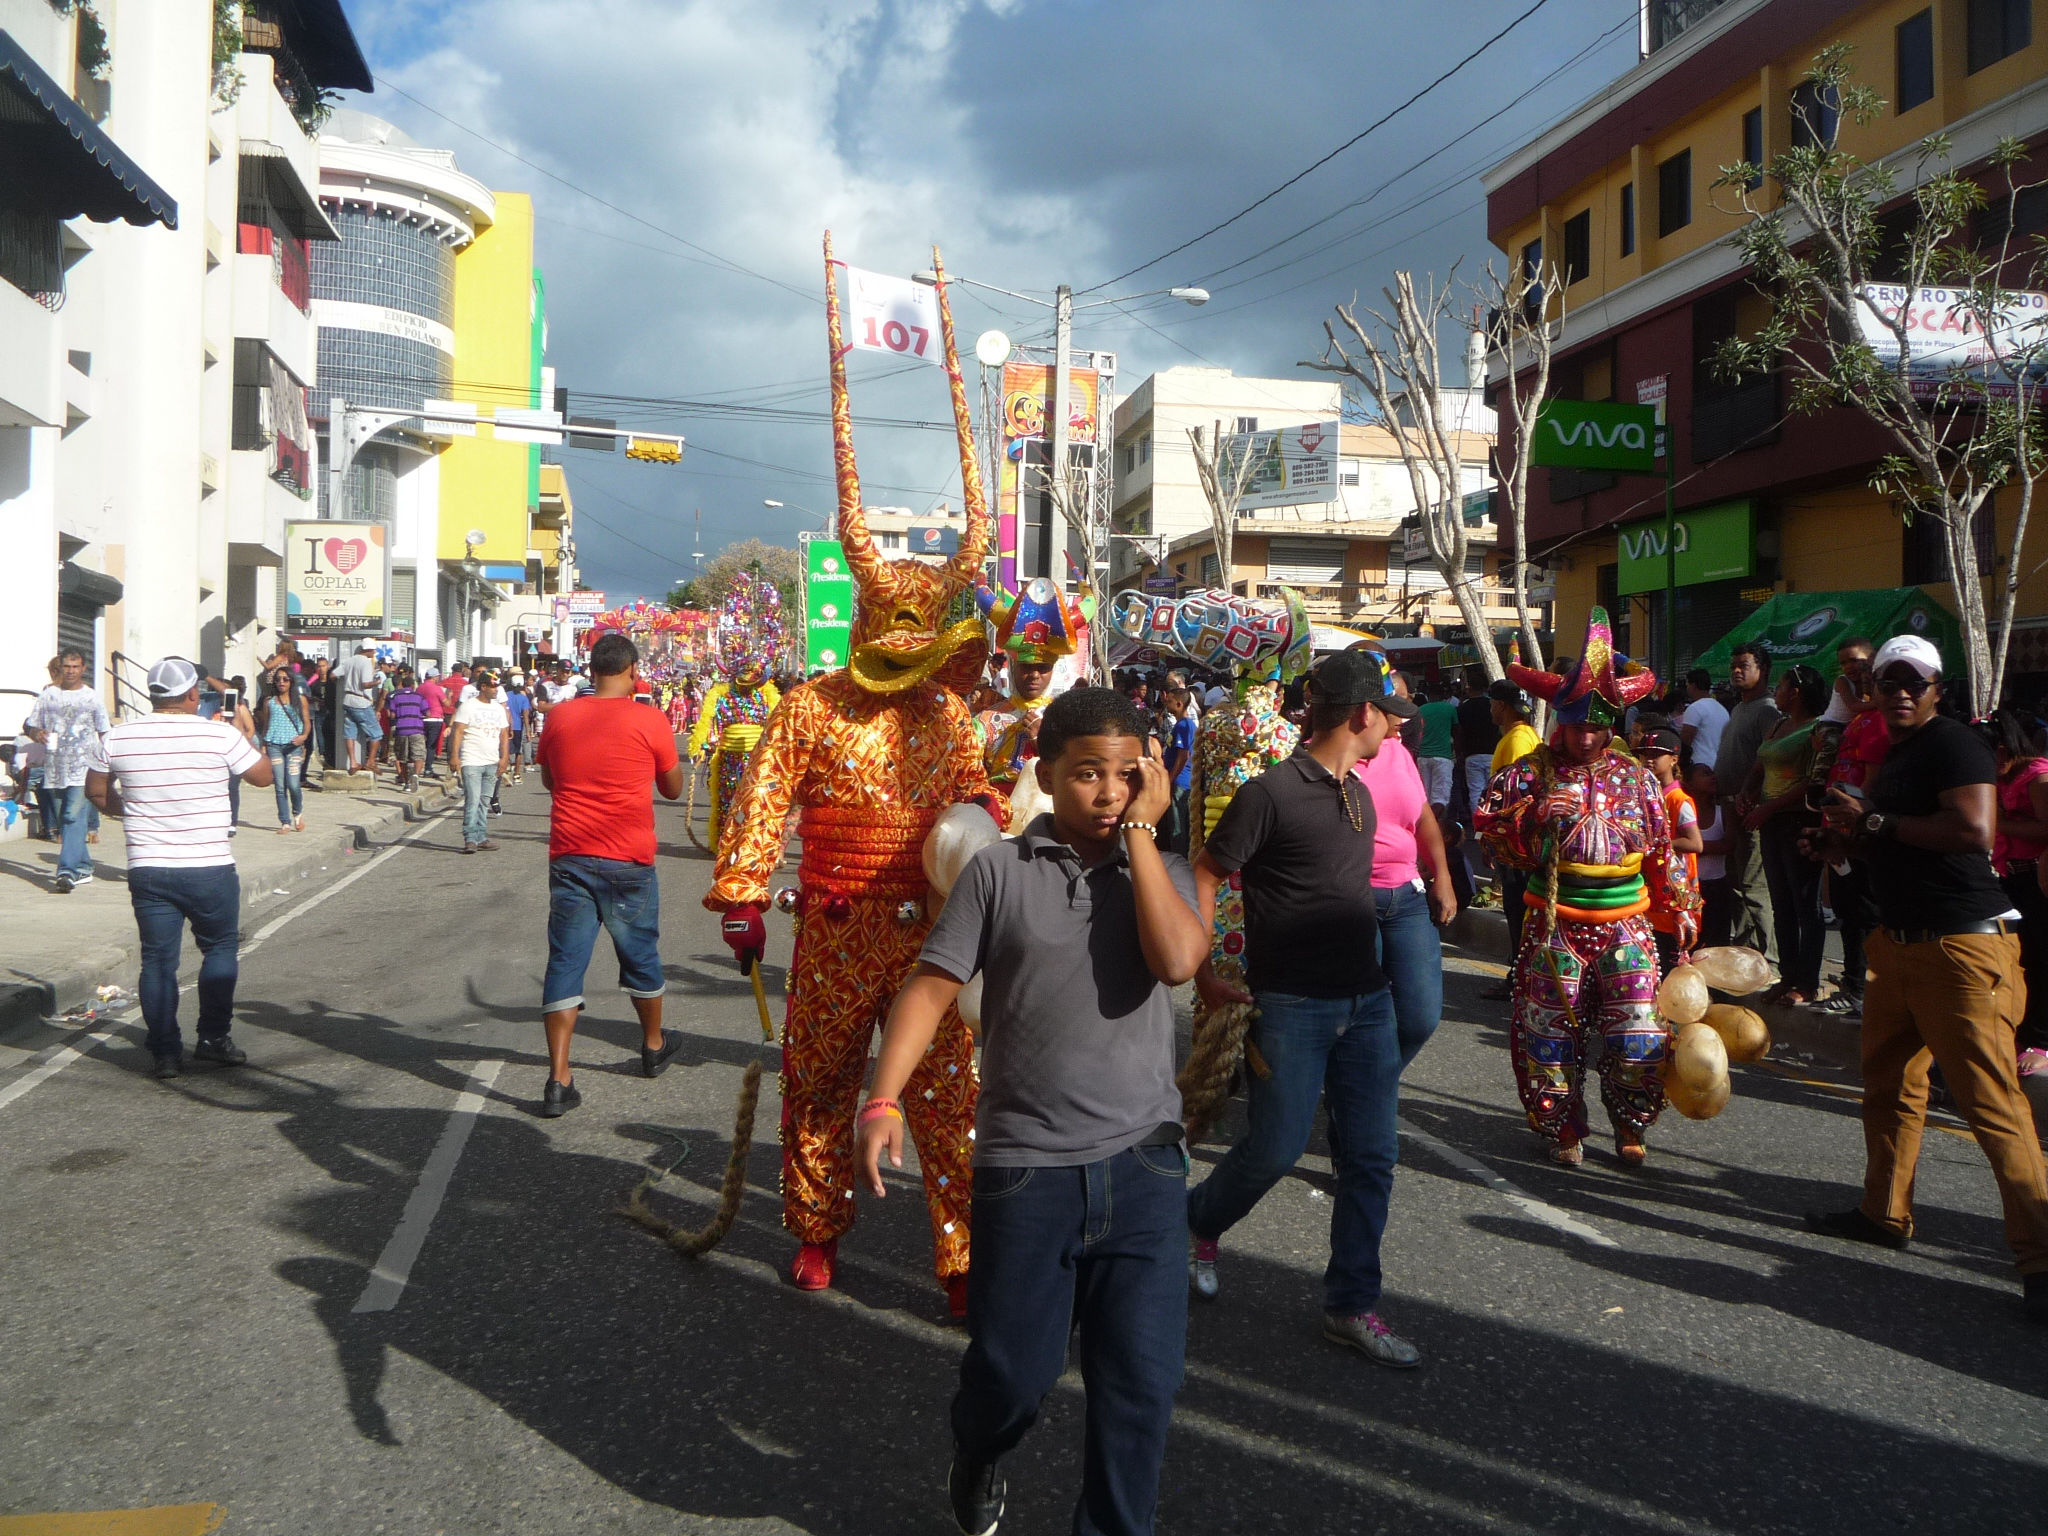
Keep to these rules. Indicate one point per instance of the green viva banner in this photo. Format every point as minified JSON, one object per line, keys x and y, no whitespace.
{"x":1714,"y":544}
{"x":1596,"y":434}
{"x":828,"y":605}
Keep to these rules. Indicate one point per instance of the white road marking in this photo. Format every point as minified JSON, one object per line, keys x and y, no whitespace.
{"x":36,"y":1076}
{"x":1528,"y":1205}
{"x":394,"y":1264}
{"x":57,"y":1063}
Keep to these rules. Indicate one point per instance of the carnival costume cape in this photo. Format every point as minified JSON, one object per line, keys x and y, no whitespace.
{"x":1036,"y":627}
{"x":869,"y":755}
{"x":1266,"y":642}
{"x":749,"y":636}
{"x":1597,"y":844}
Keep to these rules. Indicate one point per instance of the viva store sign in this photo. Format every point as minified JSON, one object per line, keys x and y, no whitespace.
{"x":1714,"y":543}
{"x":1596,"y":434}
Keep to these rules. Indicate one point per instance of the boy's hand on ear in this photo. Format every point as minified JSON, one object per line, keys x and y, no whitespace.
{"x":1153,"y":797}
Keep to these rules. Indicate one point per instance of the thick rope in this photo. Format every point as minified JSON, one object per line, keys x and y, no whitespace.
{"x":690,"y":809}
{"x":1204,"y":1082}
{"x":705,"y":1238}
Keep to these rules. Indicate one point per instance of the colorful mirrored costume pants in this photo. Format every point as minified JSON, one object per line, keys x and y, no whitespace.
{"x":851,"y":956}
{"x":1571,"y":981}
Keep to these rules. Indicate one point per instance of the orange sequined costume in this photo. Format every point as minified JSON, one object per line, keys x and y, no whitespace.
{"x":868,"y":755}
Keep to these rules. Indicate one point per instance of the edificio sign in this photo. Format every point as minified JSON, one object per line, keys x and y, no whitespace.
{"x":337,"y":578}
{"x":1714,"y":543}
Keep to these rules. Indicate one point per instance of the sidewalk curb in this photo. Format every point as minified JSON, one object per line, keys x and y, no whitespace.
{"x":1828,"y":1039}
{"x":31,"y":999}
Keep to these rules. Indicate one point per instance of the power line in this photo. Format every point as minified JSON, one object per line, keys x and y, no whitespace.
{"x":1362,"y":134}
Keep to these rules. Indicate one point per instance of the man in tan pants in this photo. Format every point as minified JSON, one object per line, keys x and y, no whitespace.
{"x":1945,"y":980}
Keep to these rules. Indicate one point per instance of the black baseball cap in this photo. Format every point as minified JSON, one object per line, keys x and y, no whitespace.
{"x":1358,"y":677}
{"x":1659,"y":741}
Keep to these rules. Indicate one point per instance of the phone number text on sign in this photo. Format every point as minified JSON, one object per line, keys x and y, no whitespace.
{"x":893,"y":314}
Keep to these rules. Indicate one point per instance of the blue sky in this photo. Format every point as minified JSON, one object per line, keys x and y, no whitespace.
{"x":1037,"y":141}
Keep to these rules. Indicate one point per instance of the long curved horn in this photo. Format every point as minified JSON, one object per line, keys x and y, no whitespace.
{"x":964,"y":569}
{"x":861,"y":556}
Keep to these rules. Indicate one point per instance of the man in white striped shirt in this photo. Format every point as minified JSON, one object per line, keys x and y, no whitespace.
{"x":173,"y":770}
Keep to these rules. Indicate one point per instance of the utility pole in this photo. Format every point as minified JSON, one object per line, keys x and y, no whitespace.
{"x":1062,"y":405}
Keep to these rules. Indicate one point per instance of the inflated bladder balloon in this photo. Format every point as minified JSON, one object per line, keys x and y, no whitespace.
{"x":1694,"y":1103}
{"x":1746,"y":1035}
{"x":1698,"y":1058}
{"x":1026,"y":801}
{"x":1682,"y":996}
{"x":1732,"y":969}
{"x":969,"y":1004}
{"x":957,"y":835}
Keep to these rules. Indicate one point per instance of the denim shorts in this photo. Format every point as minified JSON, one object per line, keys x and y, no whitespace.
{"x":360,"y":724}
{"x":624,"y":899}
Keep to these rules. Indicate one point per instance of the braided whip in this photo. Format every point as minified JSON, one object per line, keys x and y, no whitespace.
{"x":696,"y":1244}
{"x":690,"y":808}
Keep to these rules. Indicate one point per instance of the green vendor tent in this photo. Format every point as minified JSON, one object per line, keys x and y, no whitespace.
{"x":1807,"y":626}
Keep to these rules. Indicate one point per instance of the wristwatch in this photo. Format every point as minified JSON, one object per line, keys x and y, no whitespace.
{"x":1878,"y":824}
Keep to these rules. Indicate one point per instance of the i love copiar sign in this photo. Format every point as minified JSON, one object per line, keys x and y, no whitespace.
{"x":336,"y":576}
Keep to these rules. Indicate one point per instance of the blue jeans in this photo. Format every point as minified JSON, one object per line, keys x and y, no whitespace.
{"x":71,"y":807}
{"x":1103,"y":1245}
{"x":1411,"y":952}
{"x":585,"y":894}
{"x":290,"y":788}
{"x":359,"y":723}
{"x":1349,"y":1049}
{"x":164,"y":901}
{"x":479,"y":783}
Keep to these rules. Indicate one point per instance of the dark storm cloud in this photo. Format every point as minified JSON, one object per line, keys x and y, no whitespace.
{"x":1039,"y":141}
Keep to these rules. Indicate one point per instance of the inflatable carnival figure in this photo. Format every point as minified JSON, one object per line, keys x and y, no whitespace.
{"x":749,"y":637}
{"x":869,"y":756}
{"x":1587,"y":820}
{"x":1035,"y":628}
{"x":1265,"y":641}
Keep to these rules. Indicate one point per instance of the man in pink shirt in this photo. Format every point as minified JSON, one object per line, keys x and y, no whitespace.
{"x":438,"y":710}
{"x":1411,"y":906}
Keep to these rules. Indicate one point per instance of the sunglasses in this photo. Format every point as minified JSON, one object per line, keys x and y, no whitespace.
{"x":1912,"y":688}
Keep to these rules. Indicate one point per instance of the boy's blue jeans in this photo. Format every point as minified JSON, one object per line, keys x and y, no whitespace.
{"x":1349,"y":1050}
{"x":1103,"y":1244}
{"x":479,"y":783}
{"x":210,"y":898}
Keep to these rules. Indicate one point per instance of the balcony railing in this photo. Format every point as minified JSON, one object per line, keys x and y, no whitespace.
{"x":1350,"y":599}
{"x":290,"y":265}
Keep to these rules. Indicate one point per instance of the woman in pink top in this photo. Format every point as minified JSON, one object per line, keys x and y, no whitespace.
{"x":2017,"y":848}
{"x":1410,"y":907}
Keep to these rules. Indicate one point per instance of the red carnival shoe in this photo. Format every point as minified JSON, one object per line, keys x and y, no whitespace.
{"x":956,"y":1297}
{"x":812,"y":1270}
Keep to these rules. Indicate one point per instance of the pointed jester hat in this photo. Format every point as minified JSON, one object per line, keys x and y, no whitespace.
{"x":1039,"y":624}
{"x":1600,"y":684}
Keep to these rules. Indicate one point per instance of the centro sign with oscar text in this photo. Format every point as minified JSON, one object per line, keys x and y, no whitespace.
{"x":1596,"y":434}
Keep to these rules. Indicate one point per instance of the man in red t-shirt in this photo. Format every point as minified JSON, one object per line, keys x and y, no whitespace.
{"x":600,"y":757}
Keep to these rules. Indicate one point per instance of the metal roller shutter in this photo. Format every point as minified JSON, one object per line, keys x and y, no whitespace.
{"x":404,"y":595}
{"x":1305,"y":562}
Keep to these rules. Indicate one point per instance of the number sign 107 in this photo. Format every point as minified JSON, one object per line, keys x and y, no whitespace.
{"x":896,"y":336}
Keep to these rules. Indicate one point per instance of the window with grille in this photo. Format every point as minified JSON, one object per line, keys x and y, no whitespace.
{"x":1305,"y":562}
{"x":1578,"y":246}
{"x":1753,"y":143}
{"x":1247,"y":423}
{"x":1532,"y":274}
{"x":1145,"y":449}
{"x":1212,"y":570}
{"x":1628,"y":218}
{"x":1350,"y":472}
{"x":1674,"y":193}
{"x":1998,"y":30}
{"x":1913,"y":41}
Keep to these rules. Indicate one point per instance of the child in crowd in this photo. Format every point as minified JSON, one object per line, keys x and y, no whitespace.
{"x":1078,"y":927}
{"x":1717,"y":918}
{"x":408,"y":709}
{"x":1659,"y":751}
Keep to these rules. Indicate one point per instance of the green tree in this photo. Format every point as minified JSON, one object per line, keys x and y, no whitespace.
{"x":779,"y":563}
{"x":1830,"y":241}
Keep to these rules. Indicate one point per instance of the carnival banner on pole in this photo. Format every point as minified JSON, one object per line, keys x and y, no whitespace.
{"x":893,"y":314}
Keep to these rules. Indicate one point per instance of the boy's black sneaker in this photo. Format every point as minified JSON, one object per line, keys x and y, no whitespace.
{"x":654,"y":1063}
{"x":1856,"y":1227}
{"x":557,"y":1099}
{"x":2037,"y":1297}
{"x":223,"y":1050}
{"x":169,"y":1066}
{"x":976,"y":1489}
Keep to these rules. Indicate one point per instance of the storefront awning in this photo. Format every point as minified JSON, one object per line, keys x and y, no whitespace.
{"x":55,"y":160}
{"x":1807,"y":626}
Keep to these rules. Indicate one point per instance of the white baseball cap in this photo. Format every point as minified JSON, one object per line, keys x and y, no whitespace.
{"x":172,"y":678}
{"x":1915,"y":652}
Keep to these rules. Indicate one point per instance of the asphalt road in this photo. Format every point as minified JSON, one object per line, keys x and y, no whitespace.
{"x":184,"y":1264}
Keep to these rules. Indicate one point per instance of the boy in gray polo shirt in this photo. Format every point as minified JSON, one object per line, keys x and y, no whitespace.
{"x":1078,"y":927}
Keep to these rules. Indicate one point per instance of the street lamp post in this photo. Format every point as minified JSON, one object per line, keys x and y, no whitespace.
{"x":831,"y":518}
{"x":1062,"y":306}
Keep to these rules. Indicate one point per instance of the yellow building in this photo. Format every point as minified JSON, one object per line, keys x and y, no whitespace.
{"x":1618,"y":198}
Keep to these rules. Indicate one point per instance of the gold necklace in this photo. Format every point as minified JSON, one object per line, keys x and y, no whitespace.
{"x":1355,"y":817}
